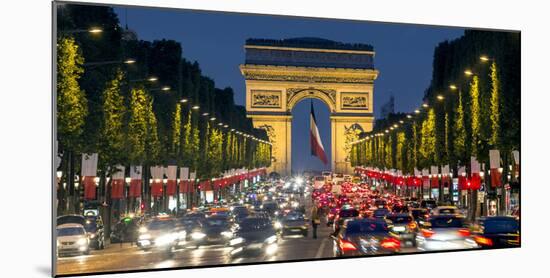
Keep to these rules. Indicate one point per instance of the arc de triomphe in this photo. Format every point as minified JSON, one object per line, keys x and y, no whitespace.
{"x":280,"y":73}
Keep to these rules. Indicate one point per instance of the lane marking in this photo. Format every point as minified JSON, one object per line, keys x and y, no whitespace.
{"x":321,"y":248}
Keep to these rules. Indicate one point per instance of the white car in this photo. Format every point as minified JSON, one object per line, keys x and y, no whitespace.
{"x":72,"y":239}
{"x":444,"y":232}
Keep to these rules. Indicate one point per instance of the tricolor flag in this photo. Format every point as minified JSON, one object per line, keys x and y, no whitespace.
{"x":317,"y":148}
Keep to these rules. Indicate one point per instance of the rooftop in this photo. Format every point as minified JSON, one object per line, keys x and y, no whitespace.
{"x":310,"y":42}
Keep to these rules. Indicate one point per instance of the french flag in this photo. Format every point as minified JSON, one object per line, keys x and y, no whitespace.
{"x":317,"y":148}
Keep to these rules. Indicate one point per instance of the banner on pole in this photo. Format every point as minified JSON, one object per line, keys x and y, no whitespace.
{"x":117,"y":182}
{"x":135,"y":181}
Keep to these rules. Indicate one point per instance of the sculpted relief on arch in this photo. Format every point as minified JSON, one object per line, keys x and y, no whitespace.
{"x":293,"y":95}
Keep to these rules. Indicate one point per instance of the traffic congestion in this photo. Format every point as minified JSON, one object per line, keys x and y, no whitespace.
{"x":296,"y":218}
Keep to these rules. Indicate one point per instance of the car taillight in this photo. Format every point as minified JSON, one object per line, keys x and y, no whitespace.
{"x":347,"y":245}
{"x":464,"y":232}
{"x":390,"y":243}
{"x":483,"y":241}
{"x":427,"y":233}
{"x":412,"y":225}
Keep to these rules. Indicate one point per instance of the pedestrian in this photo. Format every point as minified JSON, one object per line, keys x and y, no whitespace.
{"x":315,"y":220}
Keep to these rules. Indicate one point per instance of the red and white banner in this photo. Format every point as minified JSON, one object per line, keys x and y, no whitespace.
{"x":515,"y":155}
{"x":494,"y":163}
{"x":426,"y":178}
{"x":445,"y":175}
{"x":317,"y":148}
{"x":88,"y":173}
{"x":463,"y":182}
{"x":157,"y":173}
{"x":171,"y":174}
{"x":184,"y":179}
{"x":117,"y":182}
{"x":434,"y":172}
{"x":475,"y":180}
{"x":135,"y":181}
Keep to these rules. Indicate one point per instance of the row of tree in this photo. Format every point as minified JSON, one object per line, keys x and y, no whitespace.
{"x":471,"y":106}
{"x":128,"y":117}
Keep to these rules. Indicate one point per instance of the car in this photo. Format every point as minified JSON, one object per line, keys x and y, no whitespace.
{"x":428,"y":204}
{"x":293,"y":222}
{"x":213,"y":230}
{"x":331,"y":215}
{"x":364,"y":236}
{"x":254,"y":235}
{"x":72,"y":239}
{"x":161,"y":233}
{"x":380,"y":203}
{"x":92,"y":224}
{"x":444,"y":232}
{"x":126,"y":230}
{"x":419,"y":214}
{"x":345,"y":212}
{"x":380,"y":213}
{"x":271,"y":207}
{"x":404,"y":227}
{"x":400,"y":208}
{"x":496,"y":232}
{"x":445,"y":210}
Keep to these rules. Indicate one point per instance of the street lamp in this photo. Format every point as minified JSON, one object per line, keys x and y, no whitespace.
{"x":425,"y":105}
{"x":468,"y":72}
{"x":440,"y":97}
{"x":417,"y":111}
{"x":213,"y":118}
{"x":165,"y":88}
{"x":183,"y":100}
{"x":452,"y":87}
{"x":196,"y":107}
{"x":205,"y":114}
{"x":95,"y":30}
{"x":129,"y":61}
{"x":484,"y":58}
{"x":226,"y":126}
{"x":152,"y":79}
{"x":409,"y":116}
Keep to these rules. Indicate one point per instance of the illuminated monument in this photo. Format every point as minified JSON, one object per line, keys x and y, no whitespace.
{"x":281,"y":73}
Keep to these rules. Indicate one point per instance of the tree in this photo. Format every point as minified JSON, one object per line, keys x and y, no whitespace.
{"x":137,"y":126}
{"x":152,"y":143}
{"x":460,"y":130}
{"x":495,"y":107}
{"x":475,"y":115}
{"x":215,"y":153}
{"x":113,"y":140}
{"x":176,"y":131}
{"x":71,"y":101}
{"x":427,"y":142}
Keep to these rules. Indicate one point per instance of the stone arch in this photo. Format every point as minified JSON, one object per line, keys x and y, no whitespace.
{"x":294,"y":98}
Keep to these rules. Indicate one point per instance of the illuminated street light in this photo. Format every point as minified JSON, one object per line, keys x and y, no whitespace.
{"x":452,"y":87}
{"x":484,"y":58}
{"x":220,"y":124}
{"x":396,"y":125}
{"x":417,"y":111}
{"x":183,"y":100}
{"x":409,"y":116}
{"x":152,"y":79}
{"x":130,"y":61}
{"x":468,"y":73}
{"x":213,"y":119}
{"x":196,"y":107}
{"x":401,"y":121}
{"x":232,"y":129}
{"x":205,"y":114}
{"x":425,"y":105}
{"x":95,"y":30}
{"x":440,"y":97}
{"x":226,"y":126}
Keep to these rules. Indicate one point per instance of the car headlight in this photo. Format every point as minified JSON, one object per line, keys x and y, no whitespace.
{"x":82,"y":241}
{"x":276,"y":213}
{"x":182,"y":235}
{"x":236,"y":241}
{"x":165,"y":239}
{"x":142,"y":230}
{"x":227,"y":234}
{"x":271,"y":239}
{"x":197,"y":235}
{"x":144,"y":236}
{"x":91,"y":235}
{"x":278,"y":225}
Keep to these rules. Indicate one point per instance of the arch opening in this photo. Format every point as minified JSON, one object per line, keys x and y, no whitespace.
{"x":302,"y":159}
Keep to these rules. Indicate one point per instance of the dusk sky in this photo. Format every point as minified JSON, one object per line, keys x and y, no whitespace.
{"x":404,"y":55}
